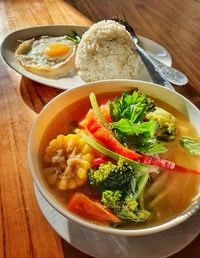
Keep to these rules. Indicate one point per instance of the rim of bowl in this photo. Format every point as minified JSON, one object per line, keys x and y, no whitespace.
{"x":100,"y":228}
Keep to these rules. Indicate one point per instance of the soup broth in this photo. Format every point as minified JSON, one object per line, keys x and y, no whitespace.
{"x":168,"y":194}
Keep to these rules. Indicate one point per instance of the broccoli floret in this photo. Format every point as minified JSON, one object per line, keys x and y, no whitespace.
{"x":121,"y":187}
{"x":111,"y":176}
{"x":167,"y":128}
{"x":137,"y":215}
{"x":112,"y":199}
{"x":124,"y":205}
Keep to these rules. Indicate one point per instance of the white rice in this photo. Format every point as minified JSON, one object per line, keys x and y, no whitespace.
{"x":107,"y":51}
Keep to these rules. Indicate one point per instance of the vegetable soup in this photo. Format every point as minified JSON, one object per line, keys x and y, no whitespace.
{"x":122,"y":160}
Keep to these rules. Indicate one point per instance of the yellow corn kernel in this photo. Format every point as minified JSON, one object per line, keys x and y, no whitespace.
{"x":73,"y":138}
{"x":54,"y":144}
{"x":82,"y":173}
{"x":62,"y":141}
{"x":71,"y":184}
{"x":70,"y":136}
{"x":81,"y":144}
{"x":62,"y":184}
{"x":84,"y":164}
{"x":72,"y":142}
{"x":49,"y":150}
{"x":88,"y":157}
{"x":80,"y":181}
{"x":86,"y":149}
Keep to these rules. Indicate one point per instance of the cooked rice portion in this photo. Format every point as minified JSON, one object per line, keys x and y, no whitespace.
{"x":107,"y":51}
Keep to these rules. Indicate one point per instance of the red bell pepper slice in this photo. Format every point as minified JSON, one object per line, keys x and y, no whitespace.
{"x":101,"y":160}
{"x":105,"y":137}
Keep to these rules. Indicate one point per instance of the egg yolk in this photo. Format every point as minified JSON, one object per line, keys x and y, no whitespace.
{"x":57,"y":50}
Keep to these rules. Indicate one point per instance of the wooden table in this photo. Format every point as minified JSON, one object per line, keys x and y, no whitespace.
{"x":174,"y":24}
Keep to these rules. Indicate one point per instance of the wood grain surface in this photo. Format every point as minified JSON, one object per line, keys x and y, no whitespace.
{"x":24,"y":232}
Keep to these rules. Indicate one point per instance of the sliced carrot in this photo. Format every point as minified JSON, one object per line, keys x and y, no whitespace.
{"x":105,"y":137}
{"x":90,"y":114}
{"x":83,"y":206}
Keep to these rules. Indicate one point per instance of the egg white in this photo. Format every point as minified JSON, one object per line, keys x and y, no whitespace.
{"x":32,"y":56}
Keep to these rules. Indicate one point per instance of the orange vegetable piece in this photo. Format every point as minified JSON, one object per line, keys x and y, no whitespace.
{"x":81,"y":205}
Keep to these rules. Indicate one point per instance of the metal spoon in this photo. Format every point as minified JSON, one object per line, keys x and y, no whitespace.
{"x":172,"y":75}
{"x":155,"y":74}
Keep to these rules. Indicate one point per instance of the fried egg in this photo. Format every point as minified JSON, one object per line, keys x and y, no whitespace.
{"x":52,"y":57}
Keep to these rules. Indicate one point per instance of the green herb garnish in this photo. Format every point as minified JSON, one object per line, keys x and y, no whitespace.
{"x":130,"y":125}
{"x":190,"y":145}
{"x":74,"y":37}
{"x":132,"y":106}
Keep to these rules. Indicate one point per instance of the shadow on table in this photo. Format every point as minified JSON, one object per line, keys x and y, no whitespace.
{"x":36,"y":95}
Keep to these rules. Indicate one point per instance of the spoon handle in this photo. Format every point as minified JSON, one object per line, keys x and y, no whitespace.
{"x":172,"y":75}
{"x":154,"y":72}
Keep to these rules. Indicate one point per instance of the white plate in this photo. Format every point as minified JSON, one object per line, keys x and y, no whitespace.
{"x":101,"y":245}
{"x":10,"y":44}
